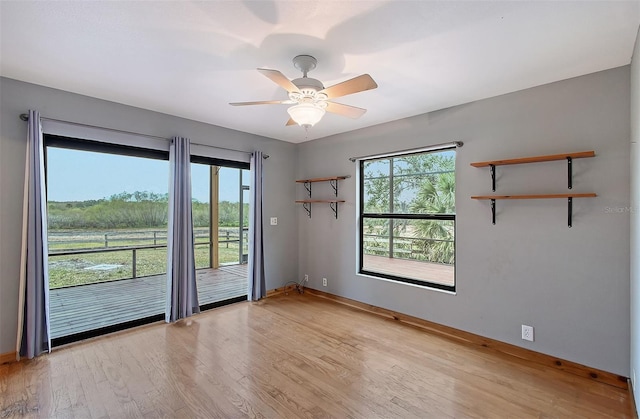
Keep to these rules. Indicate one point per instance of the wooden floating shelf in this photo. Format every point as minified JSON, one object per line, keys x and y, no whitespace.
{"x":568,"y":196}
{"x":322,"y":179}
{"x":333,"y":203}
{"x":541,"y":196}
{"x":537,"y":159}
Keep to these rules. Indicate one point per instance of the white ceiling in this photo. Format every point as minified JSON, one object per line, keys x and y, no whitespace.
{"x":191,"y":59}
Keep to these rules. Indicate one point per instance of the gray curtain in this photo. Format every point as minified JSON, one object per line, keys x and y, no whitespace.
{"x":182,"y":294}
{"x":34,"y":336}
{"x":257,"y":283}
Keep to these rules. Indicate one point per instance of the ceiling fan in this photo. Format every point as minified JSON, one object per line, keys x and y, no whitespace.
{"x":309,"y":97}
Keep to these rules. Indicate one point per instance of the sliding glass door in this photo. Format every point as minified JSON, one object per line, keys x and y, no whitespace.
{"x":107,"y":217}
{"x":220,"y":232}
{"x":107,"y":220}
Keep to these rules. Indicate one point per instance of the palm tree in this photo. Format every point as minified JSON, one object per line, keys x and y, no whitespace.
{"x":436,"y":197}
{"x":418,"y":183}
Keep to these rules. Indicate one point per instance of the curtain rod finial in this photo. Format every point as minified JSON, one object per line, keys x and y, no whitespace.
{"x":24,"y":116}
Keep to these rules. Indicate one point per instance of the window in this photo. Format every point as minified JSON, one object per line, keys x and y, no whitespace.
{"x":407,"y":218}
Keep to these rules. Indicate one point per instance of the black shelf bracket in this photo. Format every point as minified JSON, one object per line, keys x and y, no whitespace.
{"x":569,"y":176}
{"x":493,"y":177}
{"x":334,"y":207}
{"x":334,"y":185}
{"x":570,"y":209}
{"x":333,"y":203}
{"x":493,"y":211}
{"x":307,"y":186}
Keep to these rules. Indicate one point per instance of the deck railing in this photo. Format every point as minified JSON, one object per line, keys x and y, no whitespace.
{"x":69,"y":266}
{"x":403,"y":247}
{"x":133,"y":249}
{"x":155,"y":236}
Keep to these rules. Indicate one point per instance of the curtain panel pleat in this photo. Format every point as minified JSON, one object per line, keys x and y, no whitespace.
{"x":182,"y":294}
{"x":34,"y":335}
{"x":256,"y":277}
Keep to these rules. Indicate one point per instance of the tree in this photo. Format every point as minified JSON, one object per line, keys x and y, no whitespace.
{"x":436,"y":198}
{"x":416,"y":183}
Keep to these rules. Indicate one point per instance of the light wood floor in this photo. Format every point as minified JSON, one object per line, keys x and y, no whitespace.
{"x":293,"y":356}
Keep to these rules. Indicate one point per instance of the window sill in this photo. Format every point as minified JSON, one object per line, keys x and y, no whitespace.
{"x":424,"y":287}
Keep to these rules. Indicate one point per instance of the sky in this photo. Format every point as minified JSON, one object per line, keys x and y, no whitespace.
{"x":74,"y":175}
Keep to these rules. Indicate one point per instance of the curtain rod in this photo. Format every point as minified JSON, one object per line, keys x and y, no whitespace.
{"x":25,"y":117}
{"x":410,"y":150}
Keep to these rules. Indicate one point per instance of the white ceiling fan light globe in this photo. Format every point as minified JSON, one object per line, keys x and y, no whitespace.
{"x":306,"y":114}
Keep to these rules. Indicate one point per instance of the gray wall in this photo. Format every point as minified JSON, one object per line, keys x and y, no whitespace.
{"x":571,"y":284}
{"x":17,"y":97}
{"x":635,"y":218}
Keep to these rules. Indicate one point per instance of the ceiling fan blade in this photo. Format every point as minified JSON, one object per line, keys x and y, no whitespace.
{"x":280,"y":79}
{"x":291,"y":122}
{"x":345,"y":110}
{"x":354,"y":85}
{"x":264,"y":102}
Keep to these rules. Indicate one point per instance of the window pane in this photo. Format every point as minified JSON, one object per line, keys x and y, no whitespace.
{"x":418,"y":184}
{"x":421,"y":250}
{"x":376,"y":186}
{"x":98,"y":201}
{"x":375,"y":236}
{"x":201,"y":213}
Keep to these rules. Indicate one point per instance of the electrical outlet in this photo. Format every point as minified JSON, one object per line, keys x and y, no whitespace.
{"x":306,"y":278}
{"x":527,"y":333}
{"x":324,"y":282}
{"x":274,"y":221}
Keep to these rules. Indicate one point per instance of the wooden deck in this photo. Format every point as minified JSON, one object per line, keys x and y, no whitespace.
{"x":88,"y":307}
{"x":423,"y":271}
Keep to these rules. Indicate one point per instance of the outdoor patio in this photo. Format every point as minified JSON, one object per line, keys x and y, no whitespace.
{"x":423,"y":271}
{"x":93,"y":306}
{"x":88,"y":307}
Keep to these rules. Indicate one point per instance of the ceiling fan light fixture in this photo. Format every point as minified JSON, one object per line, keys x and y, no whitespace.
{"x":306,"y":114}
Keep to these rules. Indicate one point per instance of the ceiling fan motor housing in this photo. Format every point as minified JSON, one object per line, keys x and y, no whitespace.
{"x":309,"y":91}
